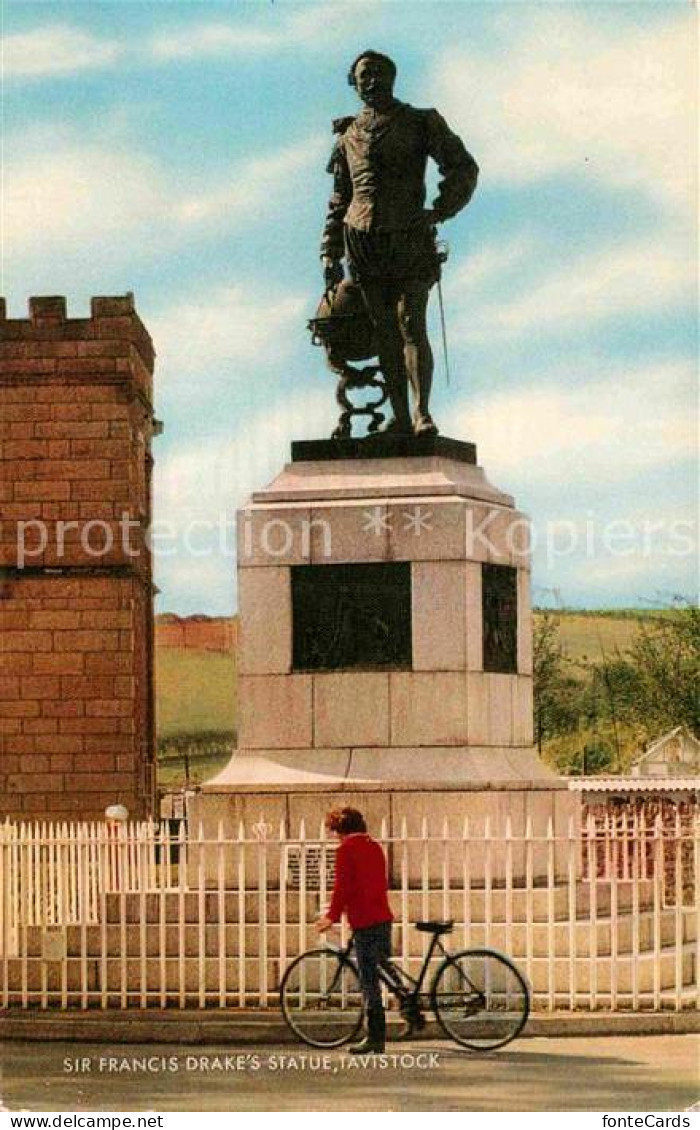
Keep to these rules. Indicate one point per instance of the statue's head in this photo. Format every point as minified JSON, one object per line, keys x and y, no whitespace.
{"x":373,"y":74}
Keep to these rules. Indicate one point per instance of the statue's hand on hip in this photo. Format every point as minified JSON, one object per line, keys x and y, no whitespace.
{"x":333,"y":273}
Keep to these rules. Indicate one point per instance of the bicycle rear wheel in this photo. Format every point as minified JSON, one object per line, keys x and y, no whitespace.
{"x":480,"y":999}
{"x":321,"y":998}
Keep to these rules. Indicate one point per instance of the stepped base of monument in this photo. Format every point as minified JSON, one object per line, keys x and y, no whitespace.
{"x":427,"y":766}
{"x":513,"y":798}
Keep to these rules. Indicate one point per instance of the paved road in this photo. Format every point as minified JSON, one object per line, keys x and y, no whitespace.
{"x":640,"y":1073}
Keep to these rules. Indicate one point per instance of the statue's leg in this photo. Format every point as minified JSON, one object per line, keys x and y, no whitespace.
{"x":381,"y":302}
{"x":418,"y":356}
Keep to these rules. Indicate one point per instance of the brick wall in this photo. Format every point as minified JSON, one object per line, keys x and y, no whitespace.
{"x":76,"y":615}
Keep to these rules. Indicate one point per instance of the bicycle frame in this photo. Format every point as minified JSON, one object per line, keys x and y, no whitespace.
{"x":404,"y":994}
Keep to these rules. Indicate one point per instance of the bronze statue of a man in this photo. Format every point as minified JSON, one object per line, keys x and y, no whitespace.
{"x":378,"y":222}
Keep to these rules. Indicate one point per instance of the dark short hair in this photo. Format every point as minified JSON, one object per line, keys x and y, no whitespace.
{"x":371,"y":55}
{"x":345,"y":821}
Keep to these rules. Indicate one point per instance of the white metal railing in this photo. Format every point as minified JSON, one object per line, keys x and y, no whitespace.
{"x":606,"y":916}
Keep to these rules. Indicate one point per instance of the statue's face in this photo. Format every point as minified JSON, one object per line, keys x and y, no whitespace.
{"x":373,"y":81}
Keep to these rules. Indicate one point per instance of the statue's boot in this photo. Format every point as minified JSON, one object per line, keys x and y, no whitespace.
{"x":398,"y":427}
{"x":424,"y":425}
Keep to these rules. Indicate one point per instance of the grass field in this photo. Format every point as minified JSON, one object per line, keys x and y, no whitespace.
{"x":585,"y":636}
{"x":196,"y":694}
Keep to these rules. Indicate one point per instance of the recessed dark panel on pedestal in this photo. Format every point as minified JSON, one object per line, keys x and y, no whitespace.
{"x":351,"y":616}
{"x":499,"y":596}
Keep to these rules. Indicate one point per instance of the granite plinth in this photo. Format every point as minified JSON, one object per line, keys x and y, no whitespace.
{"x":361,"y":475}
{"x":382,"y":446}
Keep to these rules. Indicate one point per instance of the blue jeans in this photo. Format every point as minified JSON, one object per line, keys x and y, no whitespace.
{"x":372,"y":946}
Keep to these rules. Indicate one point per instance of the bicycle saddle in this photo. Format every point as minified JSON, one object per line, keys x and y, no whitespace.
{"x":435,"y":927}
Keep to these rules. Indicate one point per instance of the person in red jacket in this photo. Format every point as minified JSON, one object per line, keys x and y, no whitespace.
{"x":360,"y":891}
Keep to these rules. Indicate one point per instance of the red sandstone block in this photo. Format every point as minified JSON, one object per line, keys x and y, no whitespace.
{"x":59,"y":448}
{"x":53,"y":620}
{"x":37,"y":686}
{"x":20,"y":709}
{"x":124,"y":687}
{"x":40,"y":725}
{"x":13,"y":619}
{"x":126,"y":763}
{"x":115,"y":743}
{"x":34,"y":763}
{"x":108,"y":783}
{"x":109,"y":412}
{"x":108,"y":708}
{"x":94,"y":763}
{"x":21,"y":511}
{"x":6,"y":491}
{"x":61,"y":762}
{"x":86,"y":687}
{"x":20,"y":394}
{"x":8,"y":764}
{"x":108,"y":619}
{"x":127,"y":726}
{"x":37,"y":802}
{"x":10,"y":726}
{"x":70,"y":709}
{"x":69,"y":412}
{"x":61,"y":664}
{"x":82,"y":366}
{"x":106,"y":664}
{"x":26,"y":448}
{"x":18,"y":431}
{"x":29,"y":367}
{"x":22,"y":413}
{"x":88,"y":725}
{"x":57,"y":743}
{"x":120,"y":429}
{"x":20,"y":744}
{"x":35,"y":783}
{"x":72,"y":429}
{"x":13,"y":664}
{"x":99,"y":449}
{"x":88,"y":641}
{"x":95,"y":511}
{"x":43,"y":489}
{"x":101,"y":490}
{"x":26,"y":641}
{"x":9,"y":687}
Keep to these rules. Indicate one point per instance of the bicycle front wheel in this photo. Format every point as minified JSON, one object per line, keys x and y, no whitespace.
{"x":321,"y":998}
{"x":480,"y":999}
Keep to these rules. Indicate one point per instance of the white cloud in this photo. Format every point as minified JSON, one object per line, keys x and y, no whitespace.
{"x":263,"y":181}
{"x":620,"y":425}
{"x":199,"y":487}
{"x":312,"y":27}
{"x":561,"y":94}
{"x":229,"y":324}
{"x":45,"y":52}
{"x":622,"y":280}
{"x":66,"y":198}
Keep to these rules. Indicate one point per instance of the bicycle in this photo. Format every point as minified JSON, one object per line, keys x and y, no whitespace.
{"x":478,"y":996}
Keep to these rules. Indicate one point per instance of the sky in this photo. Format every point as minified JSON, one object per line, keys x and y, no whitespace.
{"x":177,"y":149}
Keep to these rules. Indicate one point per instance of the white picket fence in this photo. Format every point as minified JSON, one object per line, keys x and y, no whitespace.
{"x":603,"y":917}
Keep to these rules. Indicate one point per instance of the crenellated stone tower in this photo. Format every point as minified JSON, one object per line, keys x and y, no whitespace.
{"x":76,"y":592}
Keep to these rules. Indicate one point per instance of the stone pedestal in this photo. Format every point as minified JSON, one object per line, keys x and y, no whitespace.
{"x":385,"y":647}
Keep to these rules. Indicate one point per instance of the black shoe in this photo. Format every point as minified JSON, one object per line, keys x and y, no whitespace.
{"x":368,"y":1046}
{"x":375,"y":1040}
